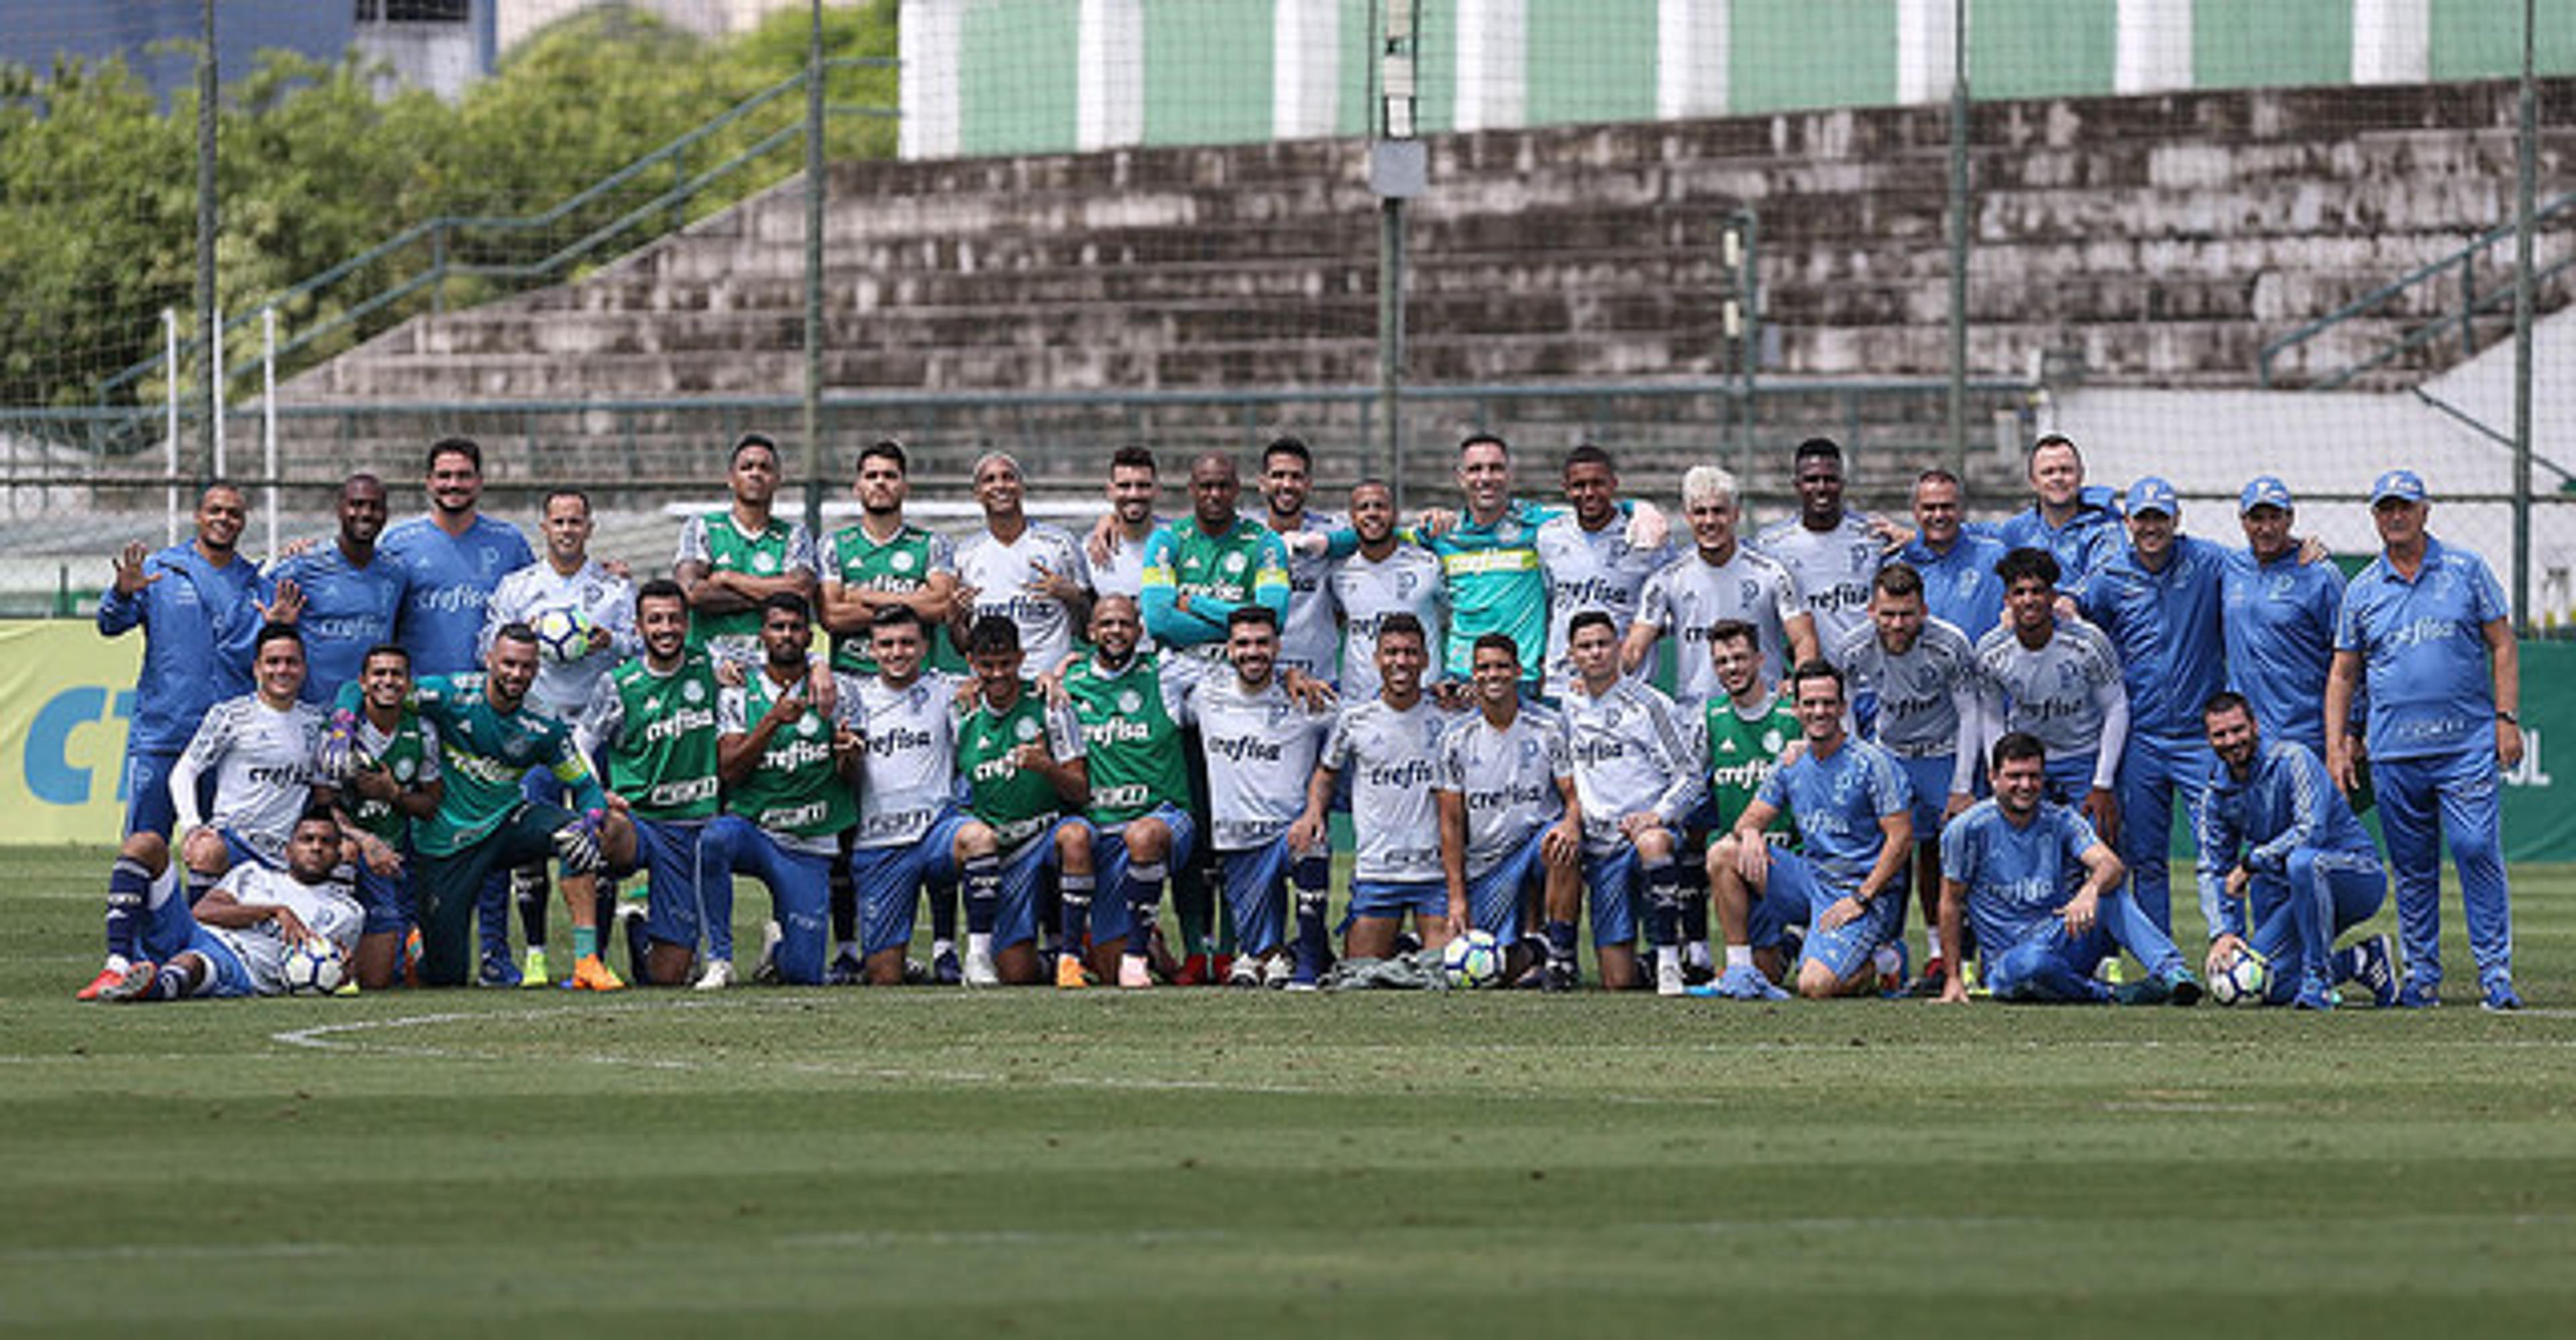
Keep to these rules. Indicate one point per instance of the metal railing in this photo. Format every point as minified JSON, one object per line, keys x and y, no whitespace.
{"x":2460,"y":321}
{"x":450,"y":240}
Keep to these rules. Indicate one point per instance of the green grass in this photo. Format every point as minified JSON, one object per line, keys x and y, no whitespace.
{"x":1029,"y":1162}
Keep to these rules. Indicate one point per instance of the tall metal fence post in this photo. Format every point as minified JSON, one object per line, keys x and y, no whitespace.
{"x":207,"y":338}
{"x":1959,"y":238}
{"x":2525,"y":166}
{"x":1398,"y":170}
{"x":814,"y":275}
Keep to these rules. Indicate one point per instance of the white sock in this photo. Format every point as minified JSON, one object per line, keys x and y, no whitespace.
{"x":1739,"y":956}
{"x":847,"y":948}
{"x":980,"y":942}
{"x":1696,"y":953}
{"x":939,"y":947}
{"x":1931,"y":943}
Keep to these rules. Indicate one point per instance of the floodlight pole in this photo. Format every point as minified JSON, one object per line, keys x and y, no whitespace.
{"x":1397,"y":172}
{"x":814,"y":275}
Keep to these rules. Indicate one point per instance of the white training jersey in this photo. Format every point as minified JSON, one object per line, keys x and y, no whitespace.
{"x":1690,"y":593}
{"x":1366,"y":590}
{"x":1631,"y":754}
{"x":1308,"y":639}
{"x":2049,"y":691}
{"x":327,"y":909}
{"x":1261,"y":749}
{"x":1124,"y":575}
{"x":1508,"y":779}
{"x":1001,"y":575}
{"x":563,"y":690}
{"x":1392,"y":757}
{"x":1923,"y":695}
{"x":908,"y":774}
{"x":262,"y":759}
{"x":1834,"y":569}
{"x":1590,"y":570}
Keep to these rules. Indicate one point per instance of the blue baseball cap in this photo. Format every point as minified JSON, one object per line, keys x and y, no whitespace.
{"x":2263,"y":491}
{"x":2151,"y":495}
{"x":2401,"y":484}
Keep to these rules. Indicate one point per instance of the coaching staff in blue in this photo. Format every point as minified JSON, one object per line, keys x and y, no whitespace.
{"x":2424,"y":629}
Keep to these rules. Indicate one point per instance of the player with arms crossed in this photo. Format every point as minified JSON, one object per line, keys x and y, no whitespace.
{"x":1511,"y":835}
{"x":1261,"y":748}
{"x":2425,"y":629}
{"x":2058,"y":680}
{"x":1853,"y":810}
{"x":732,"y":560}
{"x":2046,"y":897}
{"x":1130,"y":712}
{"x":392,"y":783}
{"x":1635,"y":781}
{"x":2297,"y":868}
{"x":490,"y":739}
{"x":652,"y":727}
{"x":1390,"y":746}
{"x":1027,"y":783}
{"x":234,"y":941}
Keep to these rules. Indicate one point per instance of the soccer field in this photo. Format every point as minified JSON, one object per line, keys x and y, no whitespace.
{"x":931,"y":1161}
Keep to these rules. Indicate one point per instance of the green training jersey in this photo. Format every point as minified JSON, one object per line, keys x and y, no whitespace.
{"x":903,"y":564}
{"x":777,"y":549}
{"x":1130,"y":728}
{"x":1017,"y":803}
{"x":409,"y":752}
{"x":485,"y":755}
{"x":1217,"y":574}
{"x":1742,"y":753}
{"x":795,"y":790}
{"x":655,"y":737}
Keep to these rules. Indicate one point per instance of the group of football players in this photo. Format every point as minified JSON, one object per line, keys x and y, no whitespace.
{"x":1532,"y":714}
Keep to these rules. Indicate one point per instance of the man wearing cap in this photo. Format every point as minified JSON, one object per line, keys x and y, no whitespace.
{"x":2279,"y":617}
{"x":2157,"y":598}
{"x":2423,"y":630}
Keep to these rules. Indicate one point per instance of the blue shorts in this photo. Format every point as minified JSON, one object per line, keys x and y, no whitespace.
{"x":1494,"y":898}
{"x":1255,"y":881}
{"x":889,"y":881}
{"x":2070,"y":777}
{"x":1798,"y":892}
{"x":1015,"y":916}
{"x":800,"y":892}
{"x":386,"y":898}
{"x":169,"y":931}
{"x":145,"y":785}
{"x":674,"y":857}
{"x":1614,"y":883}
{"x":1930,"y":778}
{"x":1390,"y":899}
{"x":1110,"y":918}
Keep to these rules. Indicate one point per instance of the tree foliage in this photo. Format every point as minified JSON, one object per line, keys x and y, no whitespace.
{"x":320,"y":164}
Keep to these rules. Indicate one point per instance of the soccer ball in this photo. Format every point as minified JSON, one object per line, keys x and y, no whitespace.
{"x":2243,"y":981}
{"x":1472,"y":960}
{"x":313,"y":968}
{"x":562,"y":635}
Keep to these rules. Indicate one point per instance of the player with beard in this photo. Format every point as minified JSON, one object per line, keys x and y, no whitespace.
{"x":1261,"y":748}
{"x":1308,"y":639}
{"x":1720,"y":579}
{"x":651,"y":726}
{"x":1130,"y":712}
{"x":1384,"y":575}
{"x":1635,"y":783}
{"x":1590,"y":563}
{"x":883,"y":562}
{"x":1027,"y":782}
{"x":233,"y":942}
{"x":1029,"y":572}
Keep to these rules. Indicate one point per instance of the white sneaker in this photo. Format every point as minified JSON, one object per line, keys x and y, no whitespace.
{"x":1133,"y":974}
{"x":766,"y":971}
{"x":980,"y":970}
{"x":1276,"y":970}
{"x":717,"y":975}
{"x":1669,"y":980}
{"x":1246,"y":971}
